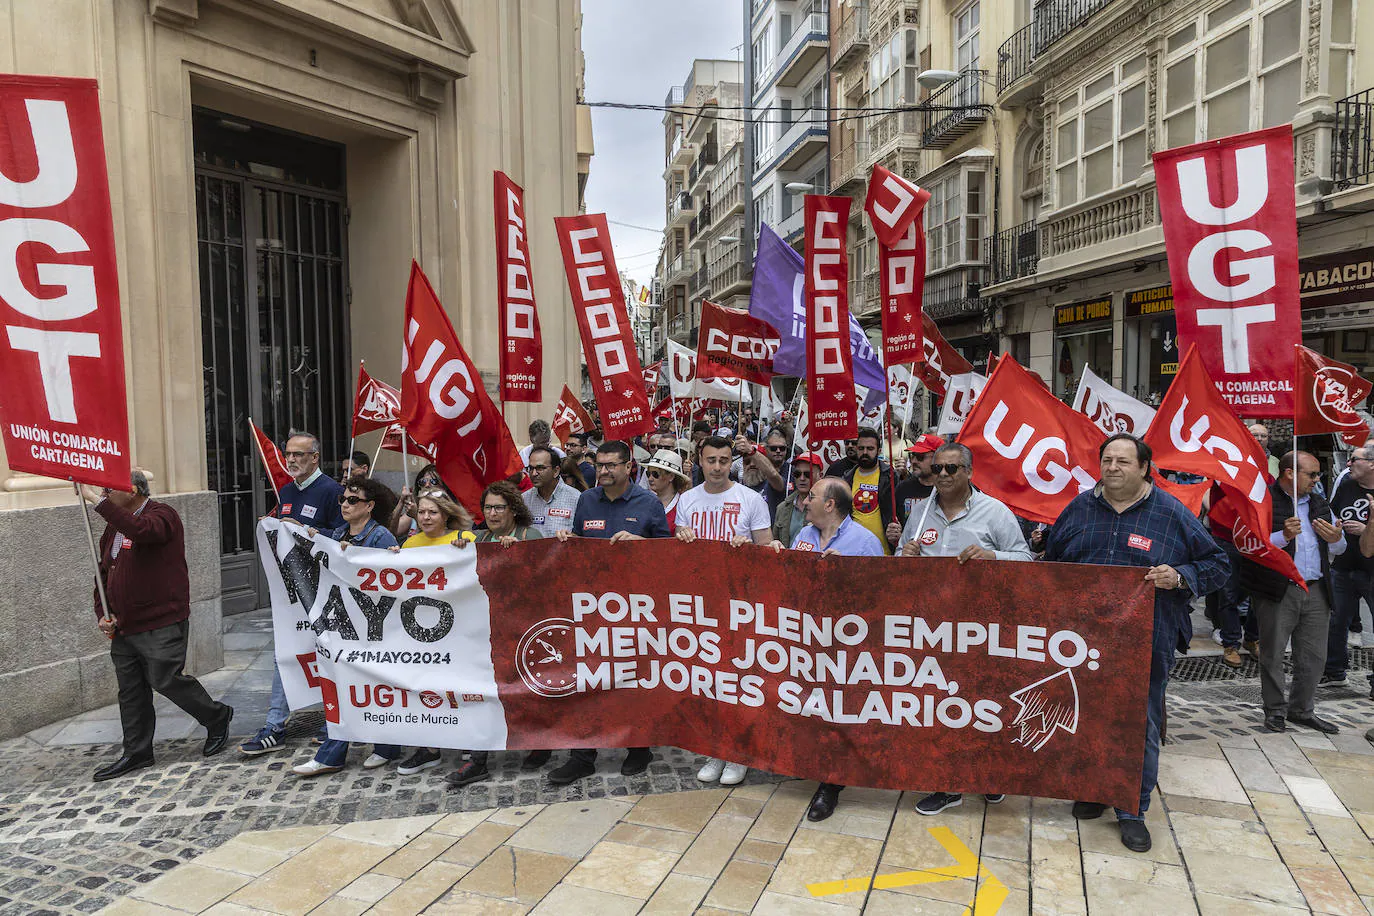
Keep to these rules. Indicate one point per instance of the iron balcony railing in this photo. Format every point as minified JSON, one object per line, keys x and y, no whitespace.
{"x":851,"y":38}
{"x":957,"y":107}
{"x":1015,"y":56}
{"x":675,"y":97}
{"x":1352,"y":141}
{"x":958,"y":292}
{"x":1015,"y":252}
{"x":1053,"y":19}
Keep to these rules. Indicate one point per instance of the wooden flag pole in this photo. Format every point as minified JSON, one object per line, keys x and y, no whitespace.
{"x":95,"y":555}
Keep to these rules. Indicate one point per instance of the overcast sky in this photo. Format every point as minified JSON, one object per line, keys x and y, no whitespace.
{"x":636,"y":50}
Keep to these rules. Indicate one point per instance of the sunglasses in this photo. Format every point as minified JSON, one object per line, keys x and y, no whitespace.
{"x":352,"y":500}
{"x":806,"y":472}
{"x":950,"y":469}
{"x":655,"y":474}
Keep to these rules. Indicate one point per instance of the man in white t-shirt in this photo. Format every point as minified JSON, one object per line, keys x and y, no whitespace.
{"x":540,"y":436}
{"x":722,"y":510}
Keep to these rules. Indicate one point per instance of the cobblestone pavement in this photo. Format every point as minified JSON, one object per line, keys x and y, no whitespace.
{"x":68,"y":845}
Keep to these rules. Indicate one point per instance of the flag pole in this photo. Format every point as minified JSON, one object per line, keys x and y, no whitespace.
{"x":377,"y":454}
{"x":95,"y":556}
{"x":891,"y":467}
{"x":405,"y":455}
{"x":353,"y":423}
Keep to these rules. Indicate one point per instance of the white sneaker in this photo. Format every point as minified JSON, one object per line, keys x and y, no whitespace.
{"x":1216,"y":636}
{"x":375,"y":760}
{"x":313,"y":767}
{"x":711,"y":772}
{"x":734,"y":774}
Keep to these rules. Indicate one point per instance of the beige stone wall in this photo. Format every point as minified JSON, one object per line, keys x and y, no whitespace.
{"x":380,"y":76}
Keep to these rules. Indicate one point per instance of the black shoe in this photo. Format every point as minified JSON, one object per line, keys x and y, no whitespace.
{"x":1087,"y":811}
{"x":571,"y":772}
{"x":1312,"y":722}
{"x":1333,"y":680}
{"x":936,"y":802}
{"x":1135,"y":836}
{"x":994,"y":799}
{"x":424,"y":758}
{"x":1275,"y":724}
{"x":216,"y":738}
{"x":823,"y":803}
{"x":535,"y":759}
{"x":636,"y":761}
{"x":469,"y":772}
{"x":125,"y":764}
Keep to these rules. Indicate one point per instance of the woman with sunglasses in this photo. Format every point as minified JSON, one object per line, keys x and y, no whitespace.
{"x":403,"y":518}
{"x":663,"y":472}
{"x":442,"y":521}
{"x":508,"y":523}
{"x":571,"y":472}
{"x":365,"y":504}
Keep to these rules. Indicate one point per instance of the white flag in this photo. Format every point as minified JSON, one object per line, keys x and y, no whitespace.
{"x":683,"y":381}
{"x":959,"y":400}
{"x":1112,"y":409}
{"x":770,"y":405}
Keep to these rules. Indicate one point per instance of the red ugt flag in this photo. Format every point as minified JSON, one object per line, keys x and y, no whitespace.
{"x":444,"y":404}
{"x":570,"y":416}
{"x":272,"y":461}
{"x":1327,"y":392}
{"x":734,"y":344}
{"x":1231,"y":234}
{"x":895,"y":207}
{"x":522,"y":349}
{"x":829,"y":357}
{"x":376,"y":405}
{"x":607,"y":341}
{"x":61,"y":342}
{"x":1196,"y":431}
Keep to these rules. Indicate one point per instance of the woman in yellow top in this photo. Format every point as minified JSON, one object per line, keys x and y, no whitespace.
{"x":441,"y":521}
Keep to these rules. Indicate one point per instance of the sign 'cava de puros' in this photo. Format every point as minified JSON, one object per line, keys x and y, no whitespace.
{"x":1231,"y":234}
{"x":61,"y":339}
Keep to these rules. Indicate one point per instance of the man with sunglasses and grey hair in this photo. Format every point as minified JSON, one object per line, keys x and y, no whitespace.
{"x":958,"y":521}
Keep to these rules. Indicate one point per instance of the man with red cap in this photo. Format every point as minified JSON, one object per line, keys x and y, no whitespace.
{"x":920,"y":481}
{"x":791,"y":515}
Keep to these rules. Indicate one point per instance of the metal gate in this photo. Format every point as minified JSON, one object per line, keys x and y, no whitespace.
{"x":270,"y":226}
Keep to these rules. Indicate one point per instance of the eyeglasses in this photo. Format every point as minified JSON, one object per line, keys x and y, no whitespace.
{"x":801,"y":475}
{"x":950,"y":469}
{"x":495,"y":507}
{"x":352,"y":500}
{"x":608,"y":465}
{"x":294,"y":454}
{"x":539,"y":468}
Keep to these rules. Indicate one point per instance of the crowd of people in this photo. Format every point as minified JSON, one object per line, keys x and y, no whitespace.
{"x":736,"y":480}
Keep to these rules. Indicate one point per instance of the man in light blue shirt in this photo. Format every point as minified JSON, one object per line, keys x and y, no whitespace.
{"x":830,"y":529}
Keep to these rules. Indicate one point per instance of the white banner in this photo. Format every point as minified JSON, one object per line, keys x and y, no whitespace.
{"x":396,"y":645}
{"x":959,"y":400}
{"x":1112,"y":409}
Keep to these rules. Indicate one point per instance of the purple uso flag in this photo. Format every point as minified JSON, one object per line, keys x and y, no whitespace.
{"x":778,"y":298}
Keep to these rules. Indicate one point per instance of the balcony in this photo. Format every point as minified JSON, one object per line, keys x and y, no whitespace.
{"x":851,"y":166}
{"x":1013,"y":66}
{"x":1107,"y":227}
{"x":1352,"y":141}
{"x":804,"y":139}
{"x":676,"y":95}
{"x":791,"y":226}
{"x":680,"y":153}
{"x":1051,"y":20}
{"x":955,"y":294}
{"x":959,"y":108}
{"x":1015,"y":252}
{"x":805,"y":48}
{"x":697,"y":284}
{"x":892,"y":131}
{"x":681,"y":209}
{"x":866,"y":295}
{"x":850,"y":43}
{"x":726,"y":201}
{"x":701,"y":164}
{"x":681,"y":268}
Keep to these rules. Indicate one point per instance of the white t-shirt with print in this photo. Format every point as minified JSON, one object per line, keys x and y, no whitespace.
{"x":739,"y":511}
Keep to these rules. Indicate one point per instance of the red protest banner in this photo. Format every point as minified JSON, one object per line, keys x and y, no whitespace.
{"x":793,"y":676}
{"x":1197,"y":432}
{"x":569,"y":416}
{"x":1030,"y":449}
{"x":376,"y":405}
{"x":1231,"y":234}
{"x":607,"y":341}
{"x":522,"y":349}
{"x":651,"y":378}
{"x":391,"y":442}
{"x":941,"y":361}
{"x":444,"y":404}
{"x":272,"y":462}
{"x":829,"y":355}
{"x":895,"y":207}
{"x":735,"y":344}
{"x":61,"y":356}
{"x":1327,"y":392}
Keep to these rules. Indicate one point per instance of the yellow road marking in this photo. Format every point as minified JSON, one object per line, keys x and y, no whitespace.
{"x":992,"y":893}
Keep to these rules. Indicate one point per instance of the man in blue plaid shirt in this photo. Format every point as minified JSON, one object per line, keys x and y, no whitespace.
{"x":1128,"y":521}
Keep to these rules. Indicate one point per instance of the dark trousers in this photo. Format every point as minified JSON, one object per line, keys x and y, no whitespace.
{"x":1161,"y":665}
{"x":588,"y":754}
{"x":1224,"y":604}
{"x":154,"y":660}
{"x":1304,"y":618}
{"x":1347,"y":588}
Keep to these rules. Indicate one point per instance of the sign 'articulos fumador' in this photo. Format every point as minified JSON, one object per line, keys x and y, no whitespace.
{"x":829,"y":356}
{"x":522,"y":349}
{"x":607,"y":338}
{"x":809,"y":666}
{"x":1231,"y":234}
{"x":895,"y":207}
{"x":61,"y":356}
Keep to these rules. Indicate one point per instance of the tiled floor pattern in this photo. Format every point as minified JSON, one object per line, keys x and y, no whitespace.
{"x":1268,"y":825}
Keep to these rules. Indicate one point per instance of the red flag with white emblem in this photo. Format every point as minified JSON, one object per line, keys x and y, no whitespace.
{"x":1327,"y":392}
{"x":570,"y":416}
{"x":376,"y":405}
{"x":272,"y":461}
{"x":895,"y":206}
{"x":941,"y":361}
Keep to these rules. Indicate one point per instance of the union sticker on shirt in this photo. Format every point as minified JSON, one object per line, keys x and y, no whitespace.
{"x":560,"y":513}
{"x":929,"y":536}
{"x":866,"y":498}
{"x":806,"y":545}
{"x":594,"y":524}
{"x":307,"y":511}
{"x":1140,"y":542}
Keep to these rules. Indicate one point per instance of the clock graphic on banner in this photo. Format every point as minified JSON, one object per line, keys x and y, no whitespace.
{"x":544,"y":657}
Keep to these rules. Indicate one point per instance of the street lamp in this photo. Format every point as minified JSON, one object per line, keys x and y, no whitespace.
{"x":934,"y":79}
{"x":727,"y":239}
{"x":800,"y":187}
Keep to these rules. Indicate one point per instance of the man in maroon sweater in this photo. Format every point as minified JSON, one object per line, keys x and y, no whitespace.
{"x":143,"y":565}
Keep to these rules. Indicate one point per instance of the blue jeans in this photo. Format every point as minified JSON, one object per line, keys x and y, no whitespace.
{"x":1348,"y":586}
{"x":1224,"y":605}
{"x":333,"y":752}
{"x":1161,"y":663}
{"x":277,"y":708}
